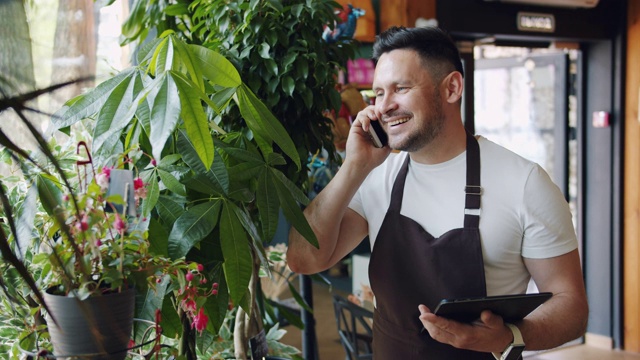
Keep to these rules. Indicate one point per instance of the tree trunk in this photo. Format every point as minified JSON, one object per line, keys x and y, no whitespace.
{"x":16,"y":62}
{"x":75,"y":48}
{"x":16,"y":70}
{"x":248,"y":325}
{"x":187,"y":347}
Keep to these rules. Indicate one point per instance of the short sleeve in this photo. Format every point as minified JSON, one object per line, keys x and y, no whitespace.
{"x":356,"y":203}
{"x":548,"y":225}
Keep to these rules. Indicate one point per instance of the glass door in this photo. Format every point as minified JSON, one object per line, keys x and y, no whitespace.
{"x":524,"y":103}
{"x":521,"y":103}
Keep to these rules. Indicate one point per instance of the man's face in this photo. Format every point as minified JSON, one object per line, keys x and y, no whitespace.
{"x":408,"y":100}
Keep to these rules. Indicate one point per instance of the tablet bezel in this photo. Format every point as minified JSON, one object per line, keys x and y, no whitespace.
{"x":510,"y":307}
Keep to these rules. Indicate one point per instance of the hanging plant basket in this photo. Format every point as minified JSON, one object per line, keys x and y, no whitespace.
{"x":98,"y":327}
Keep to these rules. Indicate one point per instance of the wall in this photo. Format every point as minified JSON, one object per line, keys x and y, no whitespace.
{"x":631,"y":221}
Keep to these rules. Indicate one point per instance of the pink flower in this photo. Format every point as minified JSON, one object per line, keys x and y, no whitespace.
{"x":154,"y":162}
{"x":140,"y":193}
{"x":83,"y":224}
{"x":200,"y":267}
{"x":200,"y":321}
{"x":98,"y":243}
{"x":107,"y":170}
{"x":214,"y":292}
{"x":189,"y":276}
{"x":189,"y":305}
{"x":102,"y":180}
{"x":215,"y":285}
{"x":119,"y":224}
{"x":138,"y":183}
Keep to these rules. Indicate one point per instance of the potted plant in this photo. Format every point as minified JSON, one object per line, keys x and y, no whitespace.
{"x":93,"y":251}
{"x":213,"y":194}
{"x":220,"y":166}
{"x":278,"y":50}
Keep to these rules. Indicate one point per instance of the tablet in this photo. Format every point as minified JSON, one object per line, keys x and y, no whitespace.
{"x":510,"y":307}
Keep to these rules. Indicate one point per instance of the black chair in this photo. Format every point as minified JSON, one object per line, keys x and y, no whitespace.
{"x":354,"y":328}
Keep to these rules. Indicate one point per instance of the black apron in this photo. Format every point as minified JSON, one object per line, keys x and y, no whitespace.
{"x":409,"y":267}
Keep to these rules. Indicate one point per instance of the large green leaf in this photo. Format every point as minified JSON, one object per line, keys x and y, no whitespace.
{"x":89,"y":104}
{"x":261,"y":120}
{"x":171,"y":182}
{"x":145,"y":50}
{"x":192,"y":226}
{"x":245,"y":170}
{"x":195,"y":121}
{"x":26,"y":217}
{"x":244,"y":155}
{"x":135,"y":23}
{"x":112,"y":145}
{"x":215,"y":67}
{"x":168,"y":210}
{"x":49,"y":192}
{"x":147,"y":304}
{"x":247,"y":224}
{"x":158,"y":238}
{"x":195,"y":91}
{"x":292,"y":211}
{"x":165,"y":113}
{"x":217,"y":305}
{"x":216,"y":173}
{"x":189,"y":61}
{"x":153,"y":191}
{"x":115,"y":113}
{"x":202,"y":184}
{"x":171,"y":324}
{"x":237,"y":254}
{"x":162,"y":58}
{"x":268,"y":205}
{"x":297,"y":194}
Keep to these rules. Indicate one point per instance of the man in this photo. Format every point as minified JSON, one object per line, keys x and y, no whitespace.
{"x":449,"y":216}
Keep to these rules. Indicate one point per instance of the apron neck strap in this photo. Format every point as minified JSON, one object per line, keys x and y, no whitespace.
{"x":473,"y":190}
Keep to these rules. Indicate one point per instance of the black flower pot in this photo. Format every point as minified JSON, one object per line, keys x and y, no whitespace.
{"x":95,"y":328}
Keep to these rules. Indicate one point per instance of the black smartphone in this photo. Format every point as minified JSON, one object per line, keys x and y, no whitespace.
{"x":378,"y":136}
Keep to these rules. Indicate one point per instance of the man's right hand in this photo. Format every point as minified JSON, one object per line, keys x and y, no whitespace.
{"x":360,"y":150}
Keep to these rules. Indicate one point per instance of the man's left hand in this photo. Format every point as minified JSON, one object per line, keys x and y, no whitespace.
{"x":487,"y":334}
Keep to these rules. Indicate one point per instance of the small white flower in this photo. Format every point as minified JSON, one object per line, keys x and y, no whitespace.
{"x":102,"y":180}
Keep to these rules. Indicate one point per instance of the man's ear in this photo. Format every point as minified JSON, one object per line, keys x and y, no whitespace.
{"x":453,"y":86}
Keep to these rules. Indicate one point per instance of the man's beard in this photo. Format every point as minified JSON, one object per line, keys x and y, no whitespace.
{"x":431,"y":128}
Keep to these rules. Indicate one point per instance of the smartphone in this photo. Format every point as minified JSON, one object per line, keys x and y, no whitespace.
{"x":378,"y":136}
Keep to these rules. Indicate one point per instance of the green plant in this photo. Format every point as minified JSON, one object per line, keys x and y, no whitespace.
{"x":277,"y":47}
{"x":222,"y":166}
{"x":213,"y":195}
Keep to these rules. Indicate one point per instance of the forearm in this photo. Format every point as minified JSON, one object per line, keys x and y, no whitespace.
{"x":561,"y":319}
{"x":326,"y":216}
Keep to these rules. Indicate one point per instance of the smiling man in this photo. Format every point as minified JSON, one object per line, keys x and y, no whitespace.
{"x":450,"y":215}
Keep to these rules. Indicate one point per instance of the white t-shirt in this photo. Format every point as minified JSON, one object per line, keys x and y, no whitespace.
{"x":523,"y":213}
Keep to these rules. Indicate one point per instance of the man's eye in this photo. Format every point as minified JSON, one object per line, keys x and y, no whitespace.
{"x":401,"y":89}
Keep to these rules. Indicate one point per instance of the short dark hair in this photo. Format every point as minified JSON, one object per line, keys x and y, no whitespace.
{"x":435,"y":47}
